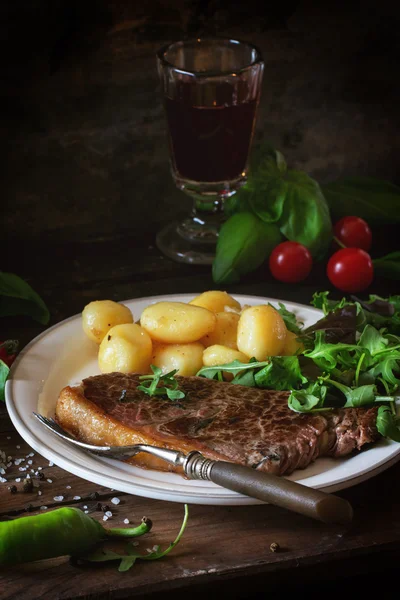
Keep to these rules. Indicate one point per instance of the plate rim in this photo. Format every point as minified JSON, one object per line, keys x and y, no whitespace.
{"x":230,"y":498}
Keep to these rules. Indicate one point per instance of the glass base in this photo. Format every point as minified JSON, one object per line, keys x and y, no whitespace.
{"x":185,"y":243}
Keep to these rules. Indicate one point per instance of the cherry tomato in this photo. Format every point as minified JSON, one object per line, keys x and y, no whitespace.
{"x":353,"y":232}
{"x":350,"y":270}
{"x":290,"y":262}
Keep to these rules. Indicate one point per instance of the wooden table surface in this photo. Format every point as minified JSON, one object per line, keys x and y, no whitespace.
{"x":224,"y":549}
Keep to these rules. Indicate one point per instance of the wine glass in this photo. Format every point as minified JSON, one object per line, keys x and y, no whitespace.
{"x":211,"y":89}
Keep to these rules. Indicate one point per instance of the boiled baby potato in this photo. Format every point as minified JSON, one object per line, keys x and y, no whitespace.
{"x":177,"y":322}
{"x":100,"y":315}
{"x":221,"y":355}
{"x":225,"y":331}
{"x":292,"y":346}
{"x":261,"y":332}
{"x":127,"y":349}
{"x":187,"y":359}
{"x":216,"y":301}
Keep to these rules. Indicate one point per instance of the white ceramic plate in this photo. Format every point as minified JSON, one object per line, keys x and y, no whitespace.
{"x":62,"y":355}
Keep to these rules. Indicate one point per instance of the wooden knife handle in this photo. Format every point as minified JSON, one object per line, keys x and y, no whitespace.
{"x":281,"y":492}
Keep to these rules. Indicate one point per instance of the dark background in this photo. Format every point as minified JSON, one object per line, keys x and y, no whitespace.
{"x":83,"y":132}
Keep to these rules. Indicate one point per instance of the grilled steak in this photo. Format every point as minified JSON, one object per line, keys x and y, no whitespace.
{"x":245,"y":425}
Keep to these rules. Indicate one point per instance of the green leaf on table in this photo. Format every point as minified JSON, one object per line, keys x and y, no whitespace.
{"x":128,"y":560}
{"x":244,"y":243}
{"x":386,"y":424}
{"x":281,"y":373}
{"x":18,"y":298}
{"x":4,"y":371}
{"x":389,"y":265}
{"x":366,"y":197}
{"x":305,"y":217}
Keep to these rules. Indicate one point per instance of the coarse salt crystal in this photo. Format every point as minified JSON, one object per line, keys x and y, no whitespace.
{"x":39,"y":468}
{"x":18,"y":480}
{"x":76,"y":498}
{"x":43,"y":508}
{"x":115,"y":500}
{"x":58,"y":498}
{"x":108,"y":513}
{"x":2,"y":471}
{"x":3,"y":479}
{"x":67,"y":487}
{"x":30,"y":462}
{"x":9,"y":437}
{"x":126,"y":521}
{"x":105,"y":518}
{"x":31,"y":454}
{"x":21,"y":468}
{"x":84,"y":507}
{"x":39,"y":493}
{"x":49,"y":480}
{"x":86,"y":512}
{"x":18,"y":447}
{"x":51,"y":464}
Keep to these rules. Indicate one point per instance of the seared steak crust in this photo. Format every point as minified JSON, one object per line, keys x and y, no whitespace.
{"x":245,"y":425}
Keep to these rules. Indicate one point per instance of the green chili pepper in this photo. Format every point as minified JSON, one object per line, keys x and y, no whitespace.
{"x":61,"y":532}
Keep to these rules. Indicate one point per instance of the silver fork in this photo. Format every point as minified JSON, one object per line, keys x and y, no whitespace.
{"x":239,"y":478}
{"x":117,"y":452}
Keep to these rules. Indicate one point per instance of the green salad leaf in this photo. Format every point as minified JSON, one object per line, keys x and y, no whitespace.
{"x":386,"y":423}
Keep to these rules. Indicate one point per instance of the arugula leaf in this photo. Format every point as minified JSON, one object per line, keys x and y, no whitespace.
{"x":4,"y":371}
{"x":310,"y":399}
{"x":372,"y":340}
{"x":18,"y":298}
{"x":236,"y":367}
{"x":327,"y":355}
{"x":366,"y":197}
{"x":128,"y":560}
{"x":386,"y":424}
{"x":339,"y":325}
{"x":153,"y":384}
{"x":355,"y":397}
{"x":386,"y":367}
{"x":244,"y":243}
{"x":388,"y":266}
{"x":281,"y":373}
{"x":289,"y":318}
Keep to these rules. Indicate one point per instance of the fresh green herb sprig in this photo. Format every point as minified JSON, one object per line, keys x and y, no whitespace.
{"x":126,"y":561}
{"x":160,"y":384}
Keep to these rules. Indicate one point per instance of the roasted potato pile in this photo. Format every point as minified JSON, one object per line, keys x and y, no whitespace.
{"x":211,"y":329}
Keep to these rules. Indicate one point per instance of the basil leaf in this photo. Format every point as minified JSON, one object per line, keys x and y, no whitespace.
{"x":305,"y":218}
{"x":18,"y":298}
{"x":244,"y":242}
{"x":366,"y":197}
{"x":4,"y":371}
{"x":388,"y":266}
{"x":386,"y":424}
{"x":281,"y":373}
